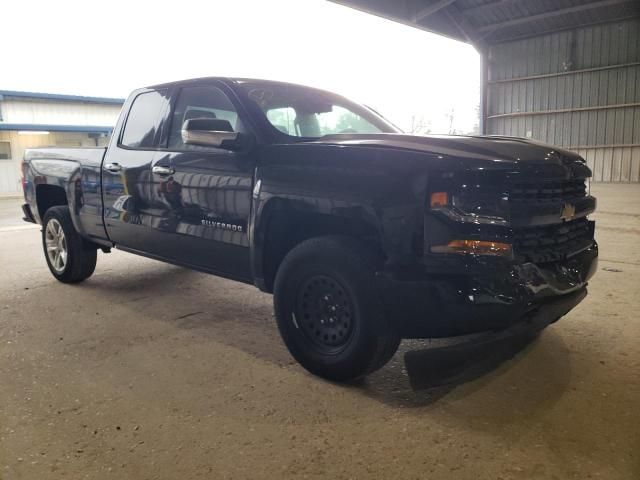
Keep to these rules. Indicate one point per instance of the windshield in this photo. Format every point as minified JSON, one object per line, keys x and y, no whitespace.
{"x":307,"y":112}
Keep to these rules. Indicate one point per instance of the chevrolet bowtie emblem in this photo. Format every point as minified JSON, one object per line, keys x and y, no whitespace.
{"x":568,"y":211}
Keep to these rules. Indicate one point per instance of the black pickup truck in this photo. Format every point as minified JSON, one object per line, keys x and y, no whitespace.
{"x":363,"y":234}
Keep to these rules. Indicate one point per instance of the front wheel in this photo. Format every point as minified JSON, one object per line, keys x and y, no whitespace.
{"x":329,"y":312}
{"x":70,"y":258}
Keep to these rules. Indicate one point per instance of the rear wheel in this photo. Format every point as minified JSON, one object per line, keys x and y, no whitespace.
{"x":328,"y":310}
{"x":70,"y":258}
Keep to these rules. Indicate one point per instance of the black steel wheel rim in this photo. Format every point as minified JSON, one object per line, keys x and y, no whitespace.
{"x":324,"y":313}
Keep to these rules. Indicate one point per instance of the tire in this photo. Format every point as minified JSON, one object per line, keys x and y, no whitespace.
{"x":329,"y":312}
{"x":70,"y":258}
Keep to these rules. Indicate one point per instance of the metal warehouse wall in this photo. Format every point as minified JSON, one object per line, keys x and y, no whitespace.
{"x":10,"y":172}
{"x":58,"y":113}
{"x":578,"y":89}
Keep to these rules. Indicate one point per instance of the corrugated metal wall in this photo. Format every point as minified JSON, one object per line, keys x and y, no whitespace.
{"x":578,"y":89}
{"x":10,"y":173}
{"x":20,"y":110}
{"x":37,"y":111}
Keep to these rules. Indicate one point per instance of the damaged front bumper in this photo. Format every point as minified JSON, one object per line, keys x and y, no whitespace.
{"x":469,"y":296}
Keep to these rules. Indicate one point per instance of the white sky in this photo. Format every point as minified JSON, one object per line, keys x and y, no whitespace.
{"x":109,"y":48}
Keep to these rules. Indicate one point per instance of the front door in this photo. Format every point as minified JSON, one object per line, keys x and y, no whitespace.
{"x":202,"y":194}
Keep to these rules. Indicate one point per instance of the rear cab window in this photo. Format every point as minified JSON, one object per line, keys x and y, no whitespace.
{"x":145,"y":119}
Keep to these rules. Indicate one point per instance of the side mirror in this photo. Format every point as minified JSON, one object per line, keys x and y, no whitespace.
{"x":209,"y":132}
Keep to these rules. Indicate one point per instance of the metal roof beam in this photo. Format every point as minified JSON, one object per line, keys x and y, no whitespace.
{"x":466,"y":29}
{"x":461,"y":27}
{"x":431,"y":9}
{"x":487,"y":7}
{"x":555,"y":13}
{"x":547,"y":31}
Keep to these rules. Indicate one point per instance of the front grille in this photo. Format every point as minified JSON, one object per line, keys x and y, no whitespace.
{"x":550,"y":243}
{"x":544,"y":192}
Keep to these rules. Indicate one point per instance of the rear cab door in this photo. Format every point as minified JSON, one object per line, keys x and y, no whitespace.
{"x":128,"y":206}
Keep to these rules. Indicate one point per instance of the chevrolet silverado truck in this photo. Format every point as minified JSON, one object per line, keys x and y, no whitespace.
{"x":363,"y":234}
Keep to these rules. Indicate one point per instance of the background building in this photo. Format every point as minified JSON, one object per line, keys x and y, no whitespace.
{"x":40,"y":119}
{"x":564,"y":72}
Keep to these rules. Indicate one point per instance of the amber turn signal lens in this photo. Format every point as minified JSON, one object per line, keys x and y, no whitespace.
{"x":439,"y":199}
{"x":474,"y":247}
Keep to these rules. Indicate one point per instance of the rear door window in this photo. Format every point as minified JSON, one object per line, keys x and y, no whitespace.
{"x":145,"y":119}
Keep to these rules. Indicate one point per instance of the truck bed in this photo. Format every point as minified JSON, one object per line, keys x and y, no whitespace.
{"x":76,"y":171}
{"x":85,"y":156}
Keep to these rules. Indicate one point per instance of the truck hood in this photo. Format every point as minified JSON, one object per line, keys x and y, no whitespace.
{"x":491,"y":148}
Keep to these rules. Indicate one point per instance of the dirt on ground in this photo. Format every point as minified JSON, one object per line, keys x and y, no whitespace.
{"x":150,"y":371}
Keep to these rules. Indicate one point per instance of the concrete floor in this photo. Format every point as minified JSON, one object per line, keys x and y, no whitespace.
{"x":152,"y":371}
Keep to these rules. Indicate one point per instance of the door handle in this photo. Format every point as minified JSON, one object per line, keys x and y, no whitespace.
{"x":113,"y":167}
{"x":158,"y":170}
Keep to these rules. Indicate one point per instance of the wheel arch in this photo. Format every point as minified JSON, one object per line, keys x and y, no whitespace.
{"x":285,"y":224}
{"x":48,"y":196}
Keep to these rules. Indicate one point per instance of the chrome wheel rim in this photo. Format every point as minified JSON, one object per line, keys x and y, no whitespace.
{"x":56,"y":245}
